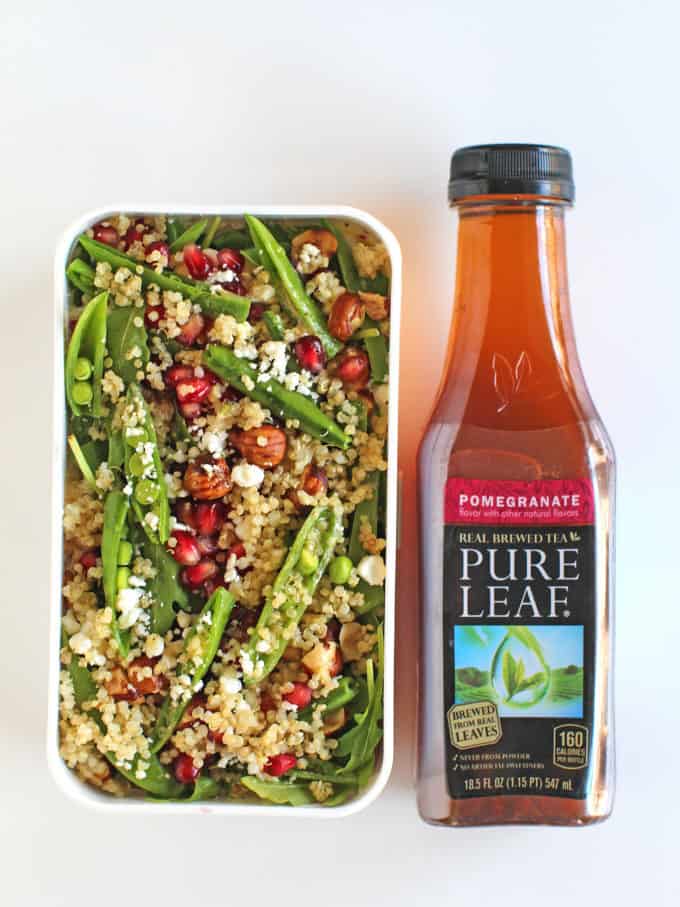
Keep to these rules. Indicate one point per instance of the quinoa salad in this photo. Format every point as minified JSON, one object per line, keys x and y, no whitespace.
{"x":224,"y":515}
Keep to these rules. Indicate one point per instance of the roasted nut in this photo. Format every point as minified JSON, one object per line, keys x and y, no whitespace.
{"x":119,"y":688}
{"x":333,"y":721}
{"x":347,"y":316}
{"x":377,"y":306}
{"x":264,"y":446}
{"x":313,"y":482}
{"x":207,"y":480}
{"x":351,"y":635}
{"x":325,"y":659}
{"x":324,"y":241}
{"x":141,"y":675}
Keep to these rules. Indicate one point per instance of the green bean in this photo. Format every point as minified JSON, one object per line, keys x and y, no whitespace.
{"x":283,"y":403}
{"x":87,"y":341}
{"x":209,"y":627}
{"x":211,"y":231}
{"x":274,"y":324}
{"x":150,"y":493}
{"x":116,"y":509}
{"x":191,"y":235}
{"x":305,"y":308}
{"x":81,"y":275}
{"x":323,"y":529}
{"x":196,"y":291}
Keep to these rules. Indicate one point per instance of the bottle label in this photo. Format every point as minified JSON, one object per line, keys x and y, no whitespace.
{"x":519,"y":624}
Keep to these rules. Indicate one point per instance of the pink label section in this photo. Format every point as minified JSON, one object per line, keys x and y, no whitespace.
{"x":551,"y":502}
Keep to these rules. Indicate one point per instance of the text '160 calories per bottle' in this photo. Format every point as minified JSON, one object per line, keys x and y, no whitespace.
{"x":516,"y":478}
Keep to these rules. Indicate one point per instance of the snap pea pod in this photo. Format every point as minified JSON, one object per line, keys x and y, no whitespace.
{"x":366,"y":512}
{"x":81,"y":275}
{"x":149,"y":491}
{"x":376,"y":347}
{"x":87,"y":345}
{"x":191,"y":235}
{"x":213,"y":227}
{"x":274,"y":325}
{"x":173,"y":229}
{"x":305,"y":308}
{"x":198,"y":292}
{"x":208,"y":630}
{"x":322,"y":528}
{"x":283,"y":403}
{"x":81,"y":460}
{"x":259,"y":256}
{"x":116,"y":508}
{"x":345,"y":692}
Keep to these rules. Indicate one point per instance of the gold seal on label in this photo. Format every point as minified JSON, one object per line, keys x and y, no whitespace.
{"x":474,"y":724}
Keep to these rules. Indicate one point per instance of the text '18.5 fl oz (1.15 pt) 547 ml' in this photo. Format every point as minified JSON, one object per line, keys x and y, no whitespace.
{"x":516,"y":478}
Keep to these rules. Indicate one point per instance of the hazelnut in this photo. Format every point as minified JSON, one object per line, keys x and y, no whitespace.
{"x":207,"y":480}
{"x":324,"y":240}
{"x":346,"y":317}
{"x":377,"y":306}
{"x":264,"y":446}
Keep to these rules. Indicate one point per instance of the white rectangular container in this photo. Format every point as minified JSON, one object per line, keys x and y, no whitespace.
{"x":67,"y":779}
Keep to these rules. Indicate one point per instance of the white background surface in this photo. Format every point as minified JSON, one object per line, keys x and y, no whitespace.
{"x":359,"y":103}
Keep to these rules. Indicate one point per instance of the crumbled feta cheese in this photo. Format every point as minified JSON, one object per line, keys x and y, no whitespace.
{"x":310,"y":259}
{"x":247,"y":475}
{"x":230,"y":683}
{"x":372,"y":570}
{"x":80,"y":644}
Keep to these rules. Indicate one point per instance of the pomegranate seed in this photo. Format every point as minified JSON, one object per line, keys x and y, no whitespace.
{"x":186,"y":551}
{"x":207,"y":544}
{"x":238,"y":550}
{"x":230,"y":259}
{"x":177,"y":373}
{"x":89,"y":558}
{"x":190,"y":410}
{"x":216,"y":582}
{"x":198,"y":264}
{"x":106,"y":234}
{"x":352,"y":367}
{"x":209,"y":517}
{"x":216,"y":736}
{"x":191,"y":330}
{"x":279,"y":765}
{"x":159,"y":246}
{"x":300,"y":695}
{"x":134,"y":234}
{"x":185,"y":513}
{"x":192,"y":390}
{"x":185,"y":769}
{"x":145,"y":685}
{"x":256,"y":312}
{"x":153,"y":314}
{"x":196,"y":575}
{"x":310,"y":354}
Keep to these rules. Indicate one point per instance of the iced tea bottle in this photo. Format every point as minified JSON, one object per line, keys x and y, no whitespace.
{"x":516,"y":486}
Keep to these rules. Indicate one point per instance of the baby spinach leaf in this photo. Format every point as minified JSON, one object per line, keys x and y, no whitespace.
{"x":279,"y":792}
{"x":165,"y":587}
{"x":127,"y":341}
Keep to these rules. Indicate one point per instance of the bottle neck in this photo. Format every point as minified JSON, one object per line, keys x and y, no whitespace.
{"x":512,"y":347}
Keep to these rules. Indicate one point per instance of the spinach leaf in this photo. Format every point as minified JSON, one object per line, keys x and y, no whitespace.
{"x":279,"y":791}
{"x":127,"y":341}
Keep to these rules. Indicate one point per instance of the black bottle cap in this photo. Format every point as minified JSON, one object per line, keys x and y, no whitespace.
{"x":511,"y":170}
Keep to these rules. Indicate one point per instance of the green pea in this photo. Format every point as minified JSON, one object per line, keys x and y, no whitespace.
{"x":308,"y":562}
{"x":340,"y":570}
{"x":125,"y":553}
{"x":122,"y":578}
{"x":82,"y":369}
{"x":82,"y":393}
{"x":136,"y":436}
{"x":136,"y":465}
{"x":146,"y":492}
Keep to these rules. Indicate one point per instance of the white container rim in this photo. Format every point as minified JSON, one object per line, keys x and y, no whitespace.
{"x":63,"y":776}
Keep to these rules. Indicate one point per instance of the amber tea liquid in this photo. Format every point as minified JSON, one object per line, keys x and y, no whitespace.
{"x":516,"y":485}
